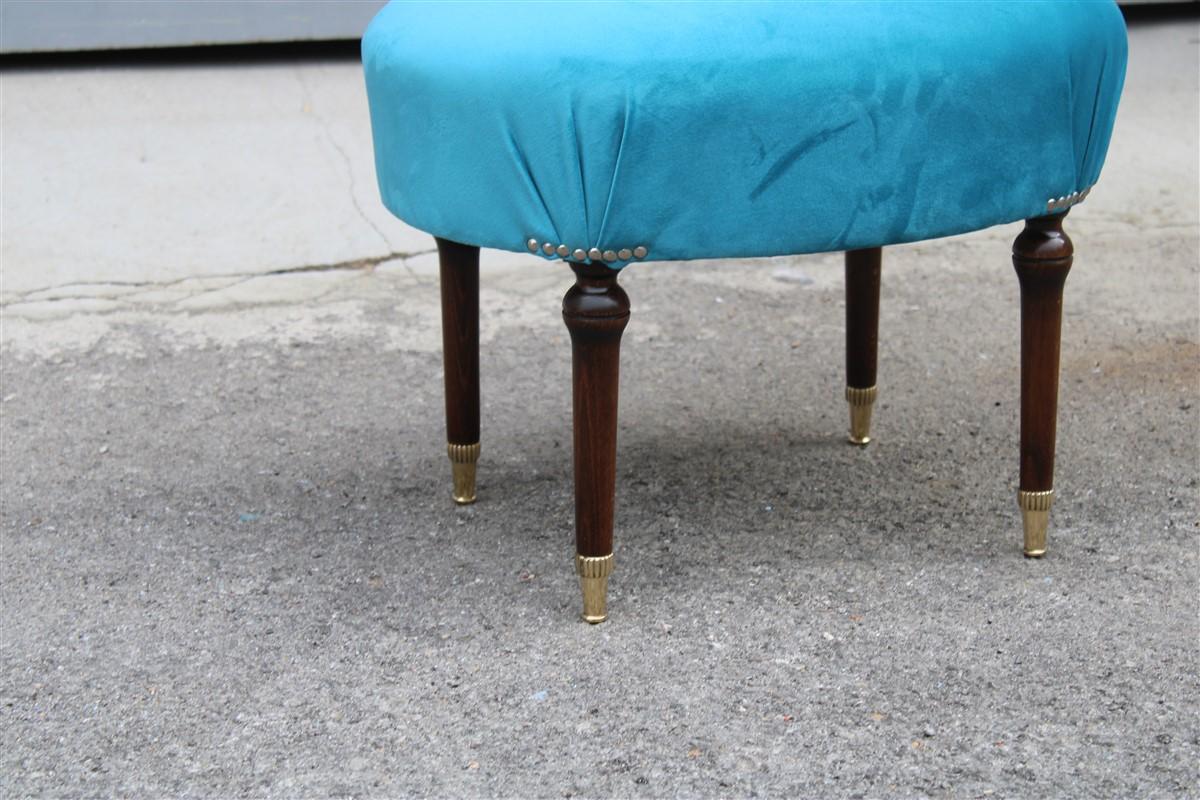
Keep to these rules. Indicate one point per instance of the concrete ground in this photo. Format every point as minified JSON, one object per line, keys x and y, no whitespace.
{"x":231,"y":566}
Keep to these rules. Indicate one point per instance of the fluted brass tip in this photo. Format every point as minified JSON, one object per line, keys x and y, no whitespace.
{"x":861,"y":401}
{"x":1035,"y":516}
{"x":593,"y":580}
{"x":462,"y":464}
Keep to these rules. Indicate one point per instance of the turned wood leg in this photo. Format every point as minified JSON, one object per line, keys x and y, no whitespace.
{"x":459,"y":274}
{"x":862,"y":338}
{"x":596,"y":311}
{"x":1042,"y":255}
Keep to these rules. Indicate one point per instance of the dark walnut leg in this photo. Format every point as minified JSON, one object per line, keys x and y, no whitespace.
{"x":459,"y":273}
{"x":596,"y":311}
{"x":862,"y":338}
{"x":1042,"y":255}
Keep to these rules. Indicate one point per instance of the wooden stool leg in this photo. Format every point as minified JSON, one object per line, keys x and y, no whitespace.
{"x":862,"y":338}
{"x":1042,"y":255}
{"x":459,"y":274}
{"x":596,"y":311}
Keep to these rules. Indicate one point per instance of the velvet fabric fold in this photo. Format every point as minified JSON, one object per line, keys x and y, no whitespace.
{"x":713,"y":129}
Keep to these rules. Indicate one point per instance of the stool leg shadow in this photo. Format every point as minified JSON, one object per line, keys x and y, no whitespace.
{"x":596,"y":311}
{"x":1042,"y":256}
{"x":862,"y":338}
{"x":459,"y":278}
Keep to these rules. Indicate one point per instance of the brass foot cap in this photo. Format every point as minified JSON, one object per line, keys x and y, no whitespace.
{"x":861,"y":401}
{"x":1035,"y":517}
{"x":462,"y":464}
{"x":593,"y":580}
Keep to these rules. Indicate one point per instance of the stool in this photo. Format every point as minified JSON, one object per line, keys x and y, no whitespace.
{"x":603,"y":134}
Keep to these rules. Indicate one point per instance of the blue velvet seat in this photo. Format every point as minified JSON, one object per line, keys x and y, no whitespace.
{"x":702,"y":130}
{"x":604,"y":133}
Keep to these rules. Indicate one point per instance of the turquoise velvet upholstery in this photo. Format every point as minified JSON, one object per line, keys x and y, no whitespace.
{"x":720,"y":129}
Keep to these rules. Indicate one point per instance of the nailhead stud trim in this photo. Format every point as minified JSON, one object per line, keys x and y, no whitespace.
{"x":1059,"y":203}
{"x":580,"y":254}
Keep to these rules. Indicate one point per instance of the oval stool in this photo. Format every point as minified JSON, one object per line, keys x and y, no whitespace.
{"x":603,"y":134}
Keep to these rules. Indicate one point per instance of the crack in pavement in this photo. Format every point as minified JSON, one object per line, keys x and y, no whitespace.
{"x":233,"y":278}
{"x":310,"y":105}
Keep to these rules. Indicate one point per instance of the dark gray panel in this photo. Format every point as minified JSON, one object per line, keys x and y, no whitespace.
{"x":43,"y":25}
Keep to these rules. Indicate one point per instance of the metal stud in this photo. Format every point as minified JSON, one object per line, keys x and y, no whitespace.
{"x":1067,"y":201}
{"x":626,"y":253}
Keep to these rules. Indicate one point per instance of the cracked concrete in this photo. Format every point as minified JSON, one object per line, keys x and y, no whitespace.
{"x":168,"y":173}
{"x":229,"y":565}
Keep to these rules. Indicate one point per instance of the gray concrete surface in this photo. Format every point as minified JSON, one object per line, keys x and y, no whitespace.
{"x":231,"y":566}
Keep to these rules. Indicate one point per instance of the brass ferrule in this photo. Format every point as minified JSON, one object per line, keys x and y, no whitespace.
{"x":593,"y":580}
{"x":1035,"y":516}
{"x":462,"y":463}
{"x":861,"y":401}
